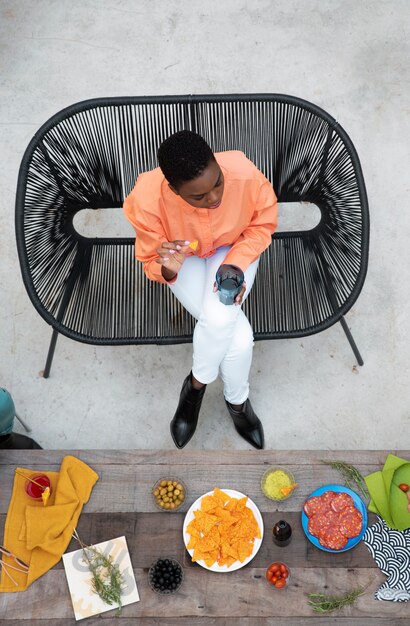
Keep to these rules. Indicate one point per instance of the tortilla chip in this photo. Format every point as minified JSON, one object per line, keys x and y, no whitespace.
{"x":204,"y":521}
{"x":193,"y":530}
{"x":231,"y":505}
{"x":242,"y":503}
{"x":221,"y":496}
{"x":211,"y":557}
{"x":222,"y":513}
{"x":209,"y":503}
{"x":193,"y":541}
{"x":206,"y":544}
{"x":197,"y":556}
{"x":244,"y":550}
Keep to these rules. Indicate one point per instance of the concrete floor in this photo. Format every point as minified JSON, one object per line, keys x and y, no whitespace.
{"x":350,"y":57}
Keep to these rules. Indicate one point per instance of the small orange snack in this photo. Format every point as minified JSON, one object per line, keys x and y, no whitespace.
{"x":223,"y":530}
{"x":45,"y":495}
{"x":285,"y":491}
{"x":193,"y":245}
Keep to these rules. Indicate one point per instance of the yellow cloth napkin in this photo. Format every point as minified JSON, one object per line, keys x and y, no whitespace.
{"x":38,"y":534}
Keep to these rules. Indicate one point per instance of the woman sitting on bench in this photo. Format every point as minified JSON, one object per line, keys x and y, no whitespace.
{"x":194,"y":213}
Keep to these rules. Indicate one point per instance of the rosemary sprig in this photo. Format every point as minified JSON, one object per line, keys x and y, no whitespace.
{"x":107,"y":580}
{"x":321,"y":603}
{"x":351,"y":476}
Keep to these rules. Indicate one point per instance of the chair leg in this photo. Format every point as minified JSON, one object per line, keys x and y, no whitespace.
{"x":23,"y":423}
{"x":351,"y":341}
{"x":50,"y":354}
{"x":332,"y":298}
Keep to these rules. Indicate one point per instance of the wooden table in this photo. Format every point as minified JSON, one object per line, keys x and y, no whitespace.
{"x":121,"y":504}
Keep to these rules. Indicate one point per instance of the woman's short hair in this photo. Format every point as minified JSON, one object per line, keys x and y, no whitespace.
{"x":183,"y":156}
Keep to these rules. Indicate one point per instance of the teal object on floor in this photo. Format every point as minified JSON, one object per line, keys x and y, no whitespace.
{"x":7,"y":412}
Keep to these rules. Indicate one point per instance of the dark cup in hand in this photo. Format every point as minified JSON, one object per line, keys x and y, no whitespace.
{"x":229,"y":279}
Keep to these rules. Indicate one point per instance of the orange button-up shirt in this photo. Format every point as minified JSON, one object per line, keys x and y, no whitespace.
{"x":245,"y":219}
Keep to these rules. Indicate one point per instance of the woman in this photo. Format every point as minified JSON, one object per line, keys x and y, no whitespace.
{"x":223,"y":203}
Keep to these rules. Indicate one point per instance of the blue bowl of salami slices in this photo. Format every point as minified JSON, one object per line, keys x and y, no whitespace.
{"x":334,"y":518}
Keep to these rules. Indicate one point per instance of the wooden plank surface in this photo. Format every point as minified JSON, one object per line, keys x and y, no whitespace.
{"x":124,"y":484}
{"x":121,"y":504}
{"x":198,"y":457}
{"x":108,"y":620}
{"x":148,"y":535}
{"x":243,"y":593}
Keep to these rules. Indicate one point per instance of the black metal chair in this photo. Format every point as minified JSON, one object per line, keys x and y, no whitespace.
{"x":88,"y":156}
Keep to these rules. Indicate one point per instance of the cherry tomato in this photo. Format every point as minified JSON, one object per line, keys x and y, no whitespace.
{"x":404,"y":487}
{"x":285,"y":574}
{"x":280,"y":583}
{"x":283,"y":568}
{"x":269,"y":576}
{"x":274,"y":579}
{"x":275,"y":567}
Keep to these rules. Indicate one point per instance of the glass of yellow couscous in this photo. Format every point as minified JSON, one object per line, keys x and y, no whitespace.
{"x":278,"y":483}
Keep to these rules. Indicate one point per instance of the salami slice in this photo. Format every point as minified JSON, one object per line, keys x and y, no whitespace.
{"x":333,"y":539}
{"x":330,"y":518}
{"x":328,"y":496}
{"x":319,"y":504}
{"x":315,"y":525}
{"x":320,"y":522}
{"x":341,"y":501}
{"x":350,"y":522}
{"x":322,"y":508}
{"x":311,"y":505}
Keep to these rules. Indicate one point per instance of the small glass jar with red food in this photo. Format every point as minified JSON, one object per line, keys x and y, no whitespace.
{"x":278,"y":575}
{"x":36,"y":485}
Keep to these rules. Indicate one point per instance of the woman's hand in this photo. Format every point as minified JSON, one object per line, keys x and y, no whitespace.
{"x":171,"y":256}
{"x":238,"y":299}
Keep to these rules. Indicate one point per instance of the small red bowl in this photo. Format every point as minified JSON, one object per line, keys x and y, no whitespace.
{"x":33,"y":490}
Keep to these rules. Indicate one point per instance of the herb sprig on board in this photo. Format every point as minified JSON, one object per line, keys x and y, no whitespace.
{"x":107,"y":580}
{"x":351,"y":475}
{"x":321,"y":603}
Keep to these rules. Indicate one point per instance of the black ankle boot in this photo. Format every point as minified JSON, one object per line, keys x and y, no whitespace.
{"x":15,"y":441}
{"x":247,"y":424}
{"x":183,"y":424}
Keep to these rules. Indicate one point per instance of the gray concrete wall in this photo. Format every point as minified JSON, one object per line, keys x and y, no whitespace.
{"x":350,"y":57}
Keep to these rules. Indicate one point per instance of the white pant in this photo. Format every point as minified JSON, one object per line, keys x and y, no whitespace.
{"x":223,"y":337}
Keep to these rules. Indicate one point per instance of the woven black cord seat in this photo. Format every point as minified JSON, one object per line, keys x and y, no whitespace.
{"x":88,"y":156}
